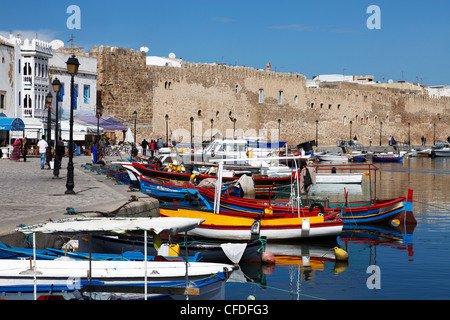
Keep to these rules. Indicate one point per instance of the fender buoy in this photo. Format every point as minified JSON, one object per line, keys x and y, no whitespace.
{"x":268,"y":257}
{"x":340,"y":255}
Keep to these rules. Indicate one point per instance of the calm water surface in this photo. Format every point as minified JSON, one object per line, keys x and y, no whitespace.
{"x":413,"y":264}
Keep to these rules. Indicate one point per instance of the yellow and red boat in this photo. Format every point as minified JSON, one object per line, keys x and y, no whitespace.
{"x":231,"y":227}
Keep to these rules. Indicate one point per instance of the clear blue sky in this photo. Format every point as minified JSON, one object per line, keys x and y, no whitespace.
{"x":307,"y":37}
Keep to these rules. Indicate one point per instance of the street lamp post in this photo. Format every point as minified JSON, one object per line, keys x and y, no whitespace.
{"x":381,"y":125}
{"x":72,"y":68}
{"x":434,"y":133}
{"x":48,"y":100}
{"x":167,"y":129}
{"x":279,"y":134}
{"x":56,"y":84}
{"x":350,"y":138}
{"x":317,"y":133}
{"x":212,"y":123}
{"x":135,"y":118}
{"x":409,"y":133}
{"x":98,"y":115}
{"x":192,"y":121}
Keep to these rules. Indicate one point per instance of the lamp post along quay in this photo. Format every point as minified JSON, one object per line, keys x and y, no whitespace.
{"x":48,"y":100}
{"x":56,"y":84}
{"x":72,"y":68}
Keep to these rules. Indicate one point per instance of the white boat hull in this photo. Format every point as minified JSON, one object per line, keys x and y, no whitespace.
{"x":444,"y":152}
{"x":270,"y":234}
{"x":14,"y":271}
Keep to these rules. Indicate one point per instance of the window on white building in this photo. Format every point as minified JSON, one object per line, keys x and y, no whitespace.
{"x":280,"y":97}
{"x":86,"y":93}
{"x":2,"y":100}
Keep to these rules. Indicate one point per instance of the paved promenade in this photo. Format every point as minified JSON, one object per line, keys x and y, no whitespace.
{"x":29,"y":195}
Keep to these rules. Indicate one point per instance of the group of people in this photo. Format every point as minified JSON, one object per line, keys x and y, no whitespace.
{"x":154,"y":146}
{"x":21,"y":146}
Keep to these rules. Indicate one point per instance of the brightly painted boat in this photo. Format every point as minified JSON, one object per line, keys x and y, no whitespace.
{"x":229,"y":226}
{"x":387,"y":158}
{"x":261,"y":182}
{"x":10,"y":252}
{"x":375,"y":211}
{"x":209,"y":251}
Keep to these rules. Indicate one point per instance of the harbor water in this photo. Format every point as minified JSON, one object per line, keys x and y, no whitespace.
{"x":384,"y":262}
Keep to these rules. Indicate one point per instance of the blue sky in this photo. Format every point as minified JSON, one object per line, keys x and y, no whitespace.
{"x":307,"y":37}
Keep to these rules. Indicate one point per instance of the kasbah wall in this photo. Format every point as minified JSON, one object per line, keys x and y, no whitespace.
{"x":213,"y":95}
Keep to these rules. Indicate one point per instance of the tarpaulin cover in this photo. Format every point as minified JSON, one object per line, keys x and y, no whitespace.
{"x":170,"y":225}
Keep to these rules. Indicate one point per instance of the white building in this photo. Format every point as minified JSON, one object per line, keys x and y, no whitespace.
{"x":85,"y":82}
{"x":7,"y":78}
{"x":171,"y":61}
{"x":438,"y":91}
{"x":27,"y":69}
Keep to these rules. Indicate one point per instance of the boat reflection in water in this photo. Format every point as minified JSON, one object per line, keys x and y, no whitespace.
{"x":399,"y":237}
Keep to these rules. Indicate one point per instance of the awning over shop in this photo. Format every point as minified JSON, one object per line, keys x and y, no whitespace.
{"x":80,"y":130}
{"x":11,"y":124}
{"x":107,"y":123}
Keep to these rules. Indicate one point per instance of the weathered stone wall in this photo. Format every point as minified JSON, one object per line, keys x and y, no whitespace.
{"x":124,"y":87}
{"x":223,"y":93}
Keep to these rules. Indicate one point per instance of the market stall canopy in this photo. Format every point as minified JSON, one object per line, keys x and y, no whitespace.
{"x":11,"y":124}
{"x":158,"y":225}
{"x":107,"y":123}
{"x":80,"y":130}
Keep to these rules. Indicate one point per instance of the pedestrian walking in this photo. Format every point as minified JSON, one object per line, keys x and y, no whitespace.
{"x":59,"y":152}
{"x":15,"y":154}
{"x":152,"y":147}
{"x":144,"y":145}
{"x":389,"y":140}
{"x":42,"y":145}
{"x":370,"y":140}
{"x":25,"y":146}
{"x":101,"y":146}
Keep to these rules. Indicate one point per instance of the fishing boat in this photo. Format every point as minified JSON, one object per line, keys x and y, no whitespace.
{"x":375,"y":211}
{"x":209,"y":251}
{"x":443,"y":152}
{"x":208,"y":288}
{"x":10,"y":252}
{"x":261,"y":182}
{"x":14,"y":272}
{"x":230,"y":226}
{"x":387,"y":157}
{"x":332,"y":156}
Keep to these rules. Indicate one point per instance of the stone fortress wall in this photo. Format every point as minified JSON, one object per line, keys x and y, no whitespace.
{"x":222,"y":94}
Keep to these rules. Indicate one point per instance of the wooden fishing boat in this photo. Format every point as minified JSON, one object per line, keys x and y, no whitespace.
{"x":10,"y":252}
{"x":230,"y":226}
{"x":387,"y":158}
{"x":331,"y":156}
{"x":208,"y":288}
{"x":209,"y":251}
{"x":19,"y":272}
{"x":375,"y":211}
{"x":261,"y":182}
{"x":56,"y":272}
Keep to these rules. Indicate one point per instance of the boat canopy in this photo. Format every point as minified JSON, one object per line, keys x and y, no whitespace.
{"x":158,"y":225}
